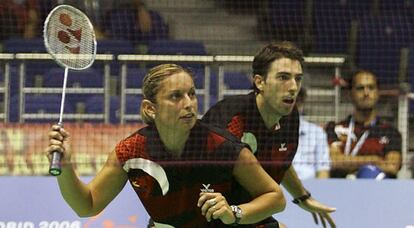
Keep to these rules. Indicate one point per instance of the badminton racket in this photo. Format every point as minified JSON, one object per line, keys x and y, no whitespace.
{"x":69,"y":38}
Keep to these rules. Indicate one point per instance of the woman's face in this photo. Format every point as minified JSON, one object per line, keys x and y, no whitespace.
{"x":176,"y":103}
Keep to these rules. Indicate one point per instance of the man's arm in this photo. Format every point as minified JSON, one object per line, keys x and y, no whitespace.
{"x":292,"y":183}
{"x":349,"y":163}
{"x":390,"y":164}
{"x":294,"y":186}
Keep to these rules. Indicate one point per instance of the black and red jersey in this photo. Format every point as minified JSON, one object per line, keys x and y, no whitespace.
{"x":169,"y":187}
{"x":275,"y":149}
{"x":382,"y":138}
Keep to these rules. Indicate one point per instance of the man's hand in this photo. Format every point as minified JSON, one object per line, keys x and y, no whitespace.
{"x":319,"y":210}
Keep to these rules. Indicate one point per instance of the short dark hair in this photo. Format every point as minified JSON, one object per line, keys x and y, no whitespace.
{"x":352,"y":76}
{"x":273,"y":51}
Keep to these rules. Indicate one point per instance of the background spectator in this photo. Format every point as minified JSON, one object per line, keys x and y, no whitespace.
{"x":19,"y":19}
{"x":132,"y":20}
{"x":364,"y":138}
{"x":96,"y":10}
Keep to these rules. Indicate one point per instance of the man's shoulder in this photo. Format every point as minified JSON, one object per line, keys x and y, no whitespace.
{"x":385,"y":126}
{"x":218,"y":132}
{"x":234,"y":101}
{"x":223,"y":111}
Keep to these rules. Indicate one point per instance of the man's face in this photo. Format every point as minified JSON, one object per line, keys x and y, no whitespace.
{"x":364,"y":93}
{"x":282,"y":85}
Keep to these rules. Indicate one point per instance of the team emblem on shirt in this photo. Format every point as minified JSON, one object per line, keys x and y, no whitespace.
{"x":384,"y":140}
{"x":206,"y":188}
{"x":282,"y":147}
{"x":250,"y":140}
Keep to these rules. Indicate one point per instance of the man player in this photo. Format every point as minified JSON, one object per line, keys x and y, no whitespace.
{"x":268,"y":121}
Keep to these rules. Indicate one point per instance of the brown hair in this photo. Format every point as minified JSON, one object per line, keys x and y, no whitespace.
{"x":271,"y":52}
{"x":351,"y":79}
{"x":152,"y":84}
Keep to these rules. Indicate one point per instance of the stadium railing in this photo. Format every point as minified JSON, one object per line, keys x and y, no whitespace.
{"x":220,"y":61}
{"x":125,"y":59}
{"x":22,"y":58}
{"x":5,"y":85}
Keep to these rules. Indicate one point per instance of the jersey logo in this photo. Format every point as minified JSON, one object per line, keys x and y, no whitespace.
{"x":151,"y":168}
{"x":136,"y":184}
{"x":206,"y":188}
{"x":283,"y":147}
{"x":250,"y":140}
{"x":384,"y":140}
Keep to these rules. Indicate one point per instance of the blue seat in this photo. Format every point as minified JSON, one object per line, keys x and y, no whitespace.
{"x":77,"y":79}
{"x":160,"y":29}
{"x":237,"y":80}
{"x":176,"y":47}
{"x":133,"y":104}
{"x":121,"y":24}
{"x":13,"y":80}
{"x":20,"y":45}
{"x":116,"y":47}
{"x":285,"y":20}
{"x":332,"y":23}
{"x":33,"y":68}
{"x":379,"y":44}
{"x":49,"y":104}
{"x":88,"y":78}
{"x":200,"y":102}
{"x":396,"y":8}
{"x":95,"y":105}
{"x":198,"y":77}
{"x":135,"y":77}
{"x":411,"y":74}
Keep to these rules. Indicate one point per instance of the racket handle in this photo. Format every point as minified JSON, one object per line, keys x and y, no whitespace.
{"x":55,"y":166}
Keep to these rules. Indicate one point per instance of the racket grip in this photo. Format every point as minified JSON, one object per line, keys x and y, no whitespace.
{"x":55,"y":168}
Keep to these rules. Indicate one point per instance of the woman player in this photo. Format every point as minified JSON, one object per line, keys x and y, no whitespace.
{"x":182,"y":170}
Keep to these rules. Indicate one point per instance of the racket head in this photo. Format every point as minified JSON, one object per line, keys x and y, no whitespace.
{"x":69,"y":37}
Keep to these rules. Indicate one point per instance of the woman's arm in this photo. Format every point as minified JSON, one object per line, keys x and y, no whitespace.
{"x":85,"y":199}
{"x":267,"y":196}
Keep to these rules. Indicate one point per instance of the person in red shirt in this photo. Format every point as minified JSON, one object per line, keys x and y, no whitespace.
{"x":363,"y":138}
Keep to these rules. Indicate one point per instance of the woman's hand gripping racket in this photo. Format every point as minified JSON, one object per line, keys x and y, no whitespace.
{"x":70,"y":39}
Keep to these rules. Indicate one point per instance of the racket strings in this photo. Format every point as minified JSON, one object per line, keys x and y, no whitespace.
{"x":70,"y":38}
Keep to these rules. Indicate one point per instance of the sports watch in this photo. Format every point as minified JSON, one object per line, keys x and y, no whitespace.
{"x":302,"y":199}
{"x":238,"y":214}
